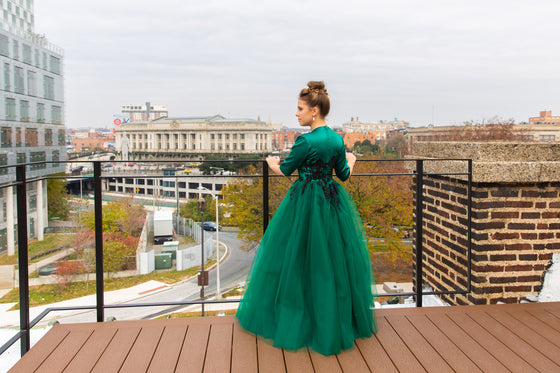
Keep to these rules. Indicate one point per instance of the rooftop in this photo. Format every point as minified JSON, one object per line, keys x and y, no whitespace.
{"x":496,"y":338}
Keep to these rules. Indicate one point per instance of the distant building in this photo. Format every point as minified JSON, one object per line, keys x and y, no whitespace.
{"x":88,"y":144}
{"x":143,"y":113}
{"x":545,"y":117}
{"x":351,"y":138}
{"x":192,"y":136}
{"x":355,"y":125}
{"x":284,"y":140}
{"x":31,"y":116}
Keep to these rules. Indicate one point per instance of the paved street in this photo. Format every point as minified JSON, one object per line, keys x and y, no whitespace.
{"x":233,"y":271}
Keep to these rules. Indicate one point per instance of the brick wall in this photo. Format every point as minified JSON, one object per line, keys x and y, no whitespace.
{"x":515,"y":231}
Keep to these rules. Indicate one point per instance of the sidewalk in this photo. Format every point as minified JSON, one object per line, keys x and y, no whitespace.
{"x":11,"y":318}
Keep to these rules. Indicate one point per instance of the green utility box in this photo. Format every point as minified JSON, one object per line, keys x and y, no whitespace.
{"x":170,"y":247}
{"x":163,"y":261}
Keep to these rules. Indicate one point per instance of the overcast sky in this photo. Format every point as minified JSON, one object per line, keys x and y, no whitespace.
{"x":420,"y":61}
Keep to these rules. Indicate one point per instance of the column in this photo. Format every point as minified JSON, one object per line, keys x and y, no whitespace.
{"x":40,"y":217}
{"x":10,"y":220}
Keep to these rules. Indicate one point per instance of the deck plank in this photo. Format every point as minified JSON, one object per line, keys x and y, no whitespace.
{"x":322,"y":363}
{"x":375,"y":356}
{"x":168,"y":350}
{"x":193,"y":352}
{"x":65,"y":352}
{"x":551,"y":334}
{"x":519,"y":338}
{"x":352,"y":361}
{"x":244,"y":351}
{"x":446,"y":348}
{"x":528,"y":335}
{"x":141,"y":353}
{"x":519,"y":346}
{"x":89,"y":354}
{"x":482,"y":358}
{"x":218,"y":352}
{"x":492,"y":344}
{"x":424,"y":352}
{"x":42,"y":349}
{"x":270,"y":358}
{"x":298,"y":361}
{"x":398,"y":352}
{"x":116,"y":352}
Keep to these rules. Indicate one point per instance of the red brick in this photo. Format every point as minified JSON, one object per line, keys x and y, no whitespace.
{"x":545,"y":256}
{"x":521,"y":226}
{"x":504,"y":192}
{"x":550,"y":215}
{"x":518,"y":267}
{"x":502,"y":280}
{"x":529,"y":279}
{"x":505,"y":236}
{"x":554,"y":205}
{"x":519,"y":288}
{"x":530,"y":257}
{"x":540,"y":205}
{"x":519,"y":204}
{"x":530,"y":215}
{"x":505,"y":214}
{"x":542,"y":226}
{"x":529,"y":236}
{"x":546,"y":236}
{"x":518,"y":246}
{"x":502,"y":257}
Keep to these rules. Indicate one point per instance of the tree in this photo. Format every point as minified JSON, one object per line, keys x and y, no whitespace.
{"x":122,"y":215}
{"x":58,"y":198}
{"x":190,"y":210}
{"x":65,"y":270}
{"x":493,"y":129}
{"x":397,"y":144}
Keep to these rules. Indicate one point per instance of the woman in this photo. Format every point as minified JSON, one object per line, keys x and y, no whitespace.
{"x":311,"y":281}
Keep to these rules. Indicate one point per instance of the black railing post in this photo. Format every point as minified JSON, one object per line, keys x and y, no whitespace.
{"x":469,"y":224}
{"x":21,"y":194}
{"x":419,"y":232}
{"x":265,"y":196}
{"x":97,"y":202}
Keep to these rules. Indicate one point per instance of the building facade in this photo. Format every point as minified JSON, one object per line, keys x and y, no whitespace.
{"x":31,"y":116}
{"x":186,"y":137}
{"x":355,"y":125}
{"x":545,"y":117}
{"x":142,"y":113}
{"x":283,"y":140}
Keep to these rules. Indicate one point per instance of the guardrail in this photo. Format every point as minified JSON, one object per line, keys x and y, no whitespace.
{"x":21,"y":182}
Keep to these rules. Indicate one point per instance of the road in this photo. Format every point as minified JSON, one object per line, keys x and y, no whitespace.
{"x":233,"y":271}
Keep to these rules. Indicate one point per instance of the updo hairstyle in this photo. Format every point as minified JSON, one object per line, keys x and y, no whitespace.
{"x":315,"y":95}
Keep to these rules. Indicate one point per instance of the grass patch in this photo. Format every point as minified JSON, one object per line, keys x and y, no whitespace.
{"x":36,"y":247}
{"x":179,"y":315}
{"x":235,"y":292}
{"x":51,"y":293}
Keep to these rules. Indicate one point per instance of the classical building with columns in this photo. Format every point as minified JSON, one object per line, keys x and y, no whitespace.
{"x":31,"y":118}
{"x":193,"y":136}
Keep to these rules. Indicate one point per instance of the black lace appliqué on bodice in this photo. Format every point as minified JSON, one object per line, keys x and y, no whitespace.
{"x":321,"y":172}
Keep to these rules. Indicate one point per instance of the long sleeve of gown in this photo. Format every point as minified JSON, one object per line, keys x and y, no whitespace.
{"x":296,"y":157}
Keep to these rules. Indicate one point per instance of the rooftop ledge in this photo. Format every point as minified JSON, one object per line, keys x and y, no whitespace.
{"x":493,"y":162}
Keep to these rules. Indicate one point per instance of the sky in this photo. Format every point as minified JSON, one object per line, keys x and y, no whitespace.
{"x":442,"y":62}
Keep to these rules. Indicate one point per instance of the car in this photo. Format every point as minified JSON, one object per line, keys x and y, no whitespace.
{"x":210,"y":226}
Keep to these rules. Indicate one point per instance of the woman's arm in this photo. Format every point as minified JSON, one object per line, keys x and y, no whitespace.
{"x":351,"y":159}
{"x":274,"y":164}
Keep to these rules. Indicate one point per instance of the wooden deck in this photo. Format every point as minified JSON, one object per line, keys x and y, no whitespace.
{"x":498,"y":338}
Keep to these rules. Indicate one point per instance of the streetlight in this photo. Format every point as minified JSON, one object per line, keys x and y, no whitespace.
{"x":218,"y":295}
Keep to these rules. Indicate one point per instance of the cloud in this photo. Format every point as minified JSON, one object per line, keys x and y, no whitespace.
{"x":380,"y":60}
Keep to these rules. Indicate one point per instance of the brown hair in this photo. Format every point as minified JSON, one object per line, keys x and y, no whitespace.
{"x":315,"y":95}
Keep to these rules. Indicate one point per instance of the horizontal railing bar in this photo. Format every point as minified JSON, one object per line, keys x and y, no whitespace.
{"x":11,"y":341}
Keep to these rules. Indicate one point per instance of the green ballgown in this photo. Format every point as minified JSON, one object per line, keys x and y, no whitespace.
{"x":311,"y":281}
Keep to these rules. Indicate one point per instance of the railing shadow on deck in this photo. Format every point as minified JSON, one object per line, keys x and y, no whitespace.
{"x":20,"y":183}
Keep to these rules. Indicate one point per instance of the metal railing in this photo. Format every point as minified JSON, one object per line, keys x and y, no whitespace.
{"x":21,"y":182}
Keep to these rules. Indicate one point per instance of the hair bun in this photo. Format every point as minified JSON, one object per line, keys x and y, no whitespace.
{"x":316,"y":87}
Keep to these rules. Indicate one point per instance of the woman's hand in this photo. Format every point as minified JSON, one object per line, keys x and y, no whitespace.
{"x":351,"y":159}
{"x":274,"y":164}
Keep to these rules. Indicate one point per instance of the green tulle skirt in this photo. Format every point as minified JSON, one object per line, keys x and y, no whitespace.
{"x":311,"y":280}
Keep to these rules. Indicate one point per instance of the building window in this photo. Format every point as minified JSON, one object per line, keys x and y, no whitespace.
{"x":48,"y":87}
{"x":19,"y":141}
{"x":242,"y":146}
{"x":32,"y":202}
{"x":242,"y":136}
{"x":38,"y":157}
{"x":55,"y":65}
{"x":41,"y":113}
{"x":48,"y":137}
{"x":219,"y":136}
{"x":546,"y":138}
{"x":56,"y":114}
{"x":7,"y":85}
{"x":26,"y":54}
{"x":4,"y":46}
{"x":10,"y":109}
{"x":21,"y":158}
{"x":227,"y":136}
{"x":31,"y":83}
{"x":211,"y":136}
{"x":18,"y":80}
{"x":31,"y":137}
{"x":3,"y":162}
{"x":55,"y":158}
{"x":24,"y":111}
{"x":6,"y":137}
{"x":16,"y":50}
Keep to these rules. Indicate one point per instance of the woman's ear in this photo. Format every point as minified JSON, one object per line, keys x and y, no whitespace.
{"x":315,"y":111}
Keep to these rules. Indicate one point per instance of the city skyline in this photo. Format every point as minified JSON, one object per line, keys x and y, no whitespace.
{"x":419,"y":62}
